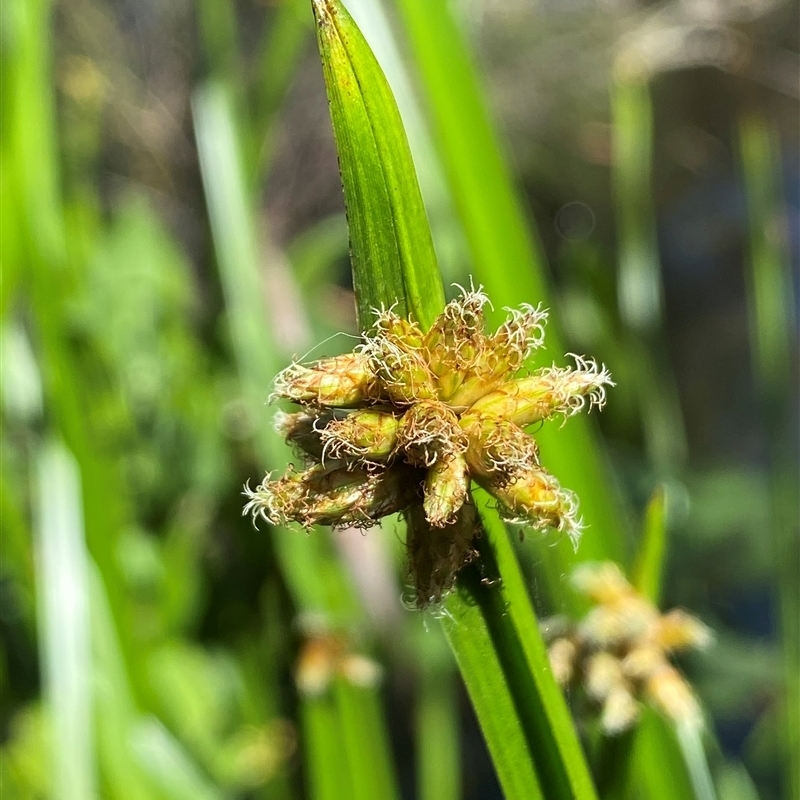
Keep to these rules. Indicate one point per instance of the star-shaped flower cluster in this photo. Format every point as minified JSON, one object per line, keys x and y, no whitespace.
{"x":620,"y":651}
{"x":408,"y":419}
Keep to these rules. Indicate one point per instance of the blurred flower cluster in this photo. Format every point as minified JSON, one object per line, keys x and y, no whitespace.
{"x":619,"y":652}
{"x":405,"y":421}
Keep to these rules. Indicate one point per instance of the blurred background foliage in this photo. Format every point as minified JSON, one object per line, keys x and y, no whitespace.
{"x":656,"y":146}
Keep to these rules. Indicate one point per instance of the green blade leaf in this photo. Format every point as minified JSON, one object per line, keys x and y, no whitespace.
{"x":557,"y":752}
{"x":468,"y":633}
{"x":391,"y":246}
{"x":505,"y":258}
{"x":62,"y":586}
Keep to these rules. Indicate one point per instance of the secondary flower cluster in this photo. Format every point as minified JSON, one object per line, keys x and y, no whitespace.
{"x":405,"y":421}
{"x":620,"y":651}
{"x":326,"y":655}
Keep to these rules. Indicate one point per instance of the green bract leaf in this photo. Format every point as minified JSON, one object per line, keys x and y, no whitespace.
{"x":391,"y":247}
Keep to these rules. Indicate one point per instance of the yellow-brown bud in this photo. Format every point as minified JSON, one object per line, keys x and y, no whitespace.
{"x":498,"y":450}
{"x":429,"y":432}
{"x":679,"y":630}
{"x":367,"y":434}
{"x":501,"y":356}
{"x":547,"y":392}
{"x":446,"y":486}
{"x":562,"y":654}
{"x":620,"y":711}
{"x":517,"y":337}
{"x":456,"y":342}
{"x":668,"y":690}
{"x":535,"y":498}
{"x":329,"y":495}
{"x":339,"y":382}
{"x":403,"y":375}
{"x":399,"y":329}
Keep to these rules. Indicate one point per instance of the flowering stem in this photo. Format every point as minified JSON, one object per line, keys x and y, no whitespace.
{"x":488,"y":618}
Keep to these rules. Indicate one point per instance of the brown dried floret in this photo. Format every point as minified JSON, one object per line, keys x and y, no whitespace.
{"x":436,"y":554}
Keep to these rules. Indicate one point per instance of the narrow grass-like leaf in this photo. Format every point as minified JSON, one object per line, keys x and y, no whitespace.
{"x":390,"y":240}
{"x":328,"y":771}
{"x":467,"y":630}
{"x":649,"y":565}
{"x":62,"y":586}
{"x":694,"y":755}
{"x":437,"y":721}
{"x":557,"y":752}
{"x":769,"y":293}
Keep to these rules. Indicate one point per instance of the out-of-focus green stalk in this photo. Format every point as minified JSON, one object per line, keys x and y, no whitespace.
{"x":63,"y":623}
{"x":218,"y":28}
{"x":124,"y":775}
{"x":772,"y":332}
{"x":30,"y":159}
{"x":639,"y":287}
{"x":649,"y":566}
{"x":328,"y":775}
{"x":314,"y":576}
{"x":281,"y":49}
{"x":639,"y":275}
{"x":438,"y":754}
{"x":769,"y":278}
{"x":302,"y":558}
{"x":362,"y":722}
{"x":657,"y":767}
{"x":694,"y":755}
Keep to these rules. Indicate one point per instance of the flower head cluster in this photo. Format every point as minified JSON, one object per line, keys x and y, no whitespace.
{"x":620,"y":651}
{"x":405,"y":421}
